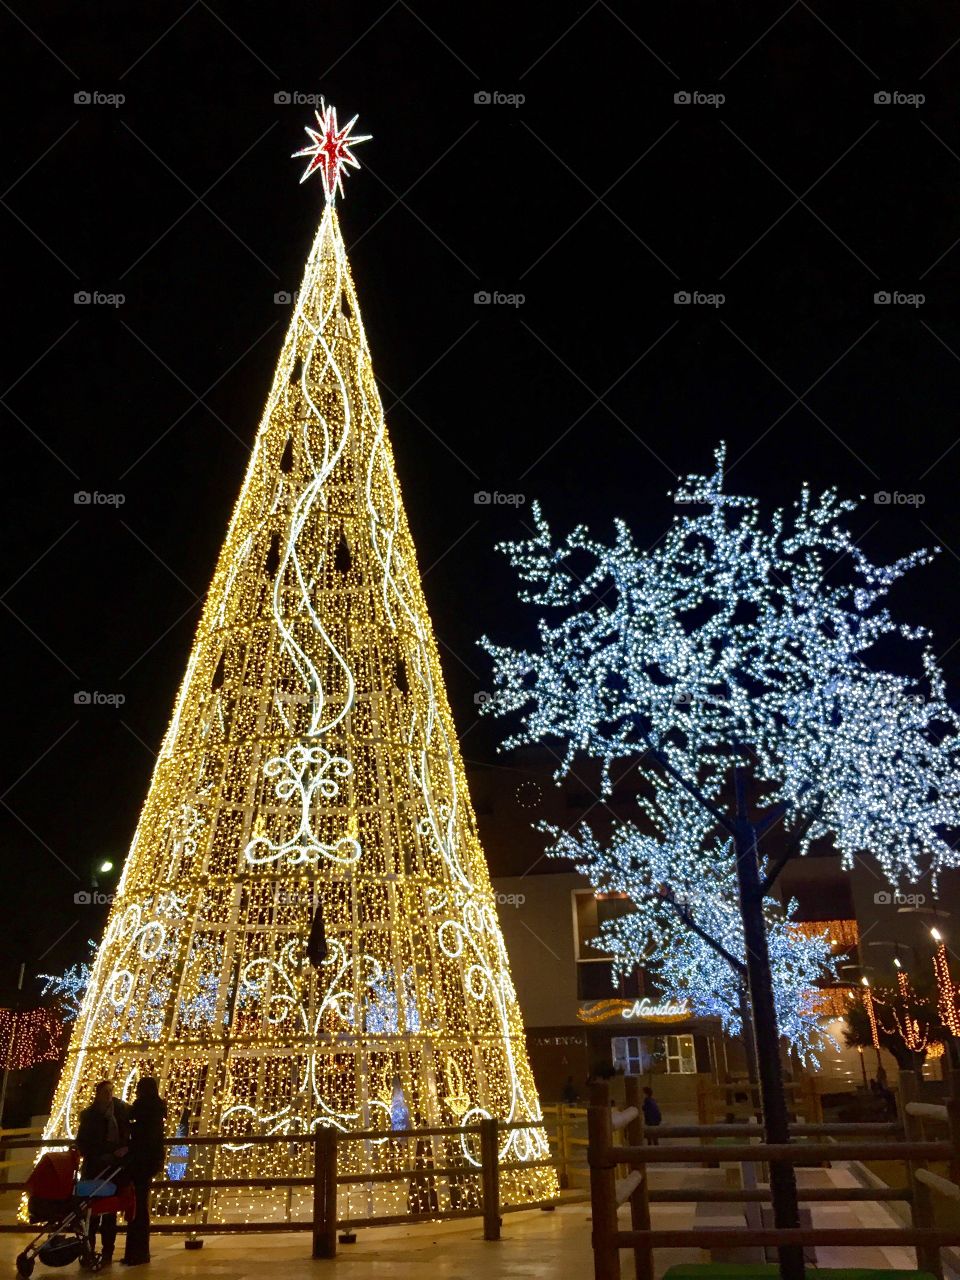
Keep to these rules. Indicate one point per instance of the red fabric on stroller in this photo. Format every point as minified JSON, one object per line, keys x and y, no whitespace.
{"x":51,"y":1185}
{"x":52,"y":1177}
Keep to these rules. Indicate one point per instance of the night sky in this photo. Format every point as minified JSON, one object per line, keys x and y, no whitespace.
{"x":597,"y":199}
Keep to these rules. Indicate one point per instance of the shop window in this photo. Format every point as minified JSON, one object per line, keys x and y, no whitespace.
{"x":649,"y":1055}
{"x":628,"y":1055}
{"x":681,"y":1058}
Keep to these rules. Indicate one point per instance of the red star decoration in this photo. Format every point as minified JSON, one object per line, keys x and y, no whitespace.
{"x":329,"y":149}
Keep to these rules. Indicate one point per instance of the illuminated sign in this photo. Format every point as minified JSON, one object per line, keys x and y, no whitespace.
{"x":645,"y":1010}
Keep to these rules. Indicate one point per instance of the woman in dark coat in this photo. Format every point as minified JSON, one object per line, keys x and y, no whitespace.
{"x":143,"y":1162}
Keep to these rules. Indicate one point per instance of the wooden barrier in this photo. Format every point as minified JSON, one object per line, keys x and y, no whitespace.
{"x":716,"y":1101}
{"x":326,"y":1180}
{"x":928,"y":1255}
{"x":566,"y":1125}
{"x":884,"y":1141}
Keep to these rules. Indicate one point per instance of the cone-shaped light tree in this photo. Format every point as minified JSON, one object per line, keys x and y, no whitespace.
{"x":738,"y":660}
{"x":304,"y":933}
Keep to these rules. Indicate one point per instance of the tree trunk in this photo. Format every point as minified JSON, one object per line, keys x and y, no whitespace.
{"x":752,"y":1213}
{"x":783,"y":1181}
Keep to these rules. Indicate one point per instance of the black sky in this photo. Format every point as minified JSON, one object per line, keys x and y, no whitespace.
{"x":598,"y":198}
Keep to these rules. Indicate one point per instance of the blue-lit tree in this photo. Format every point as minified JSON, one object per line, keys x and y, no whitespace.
{"x":686,"y":927}
{"x":738,"y":657}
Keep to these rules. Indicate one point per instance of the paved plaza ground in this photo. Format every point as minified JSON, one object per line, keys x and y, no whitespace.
{"x":535,"y":1245}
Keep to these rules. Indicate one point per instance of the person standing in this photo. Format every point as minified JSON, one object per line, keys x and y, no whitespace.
{"x":651,"y":1115}
{"x":102,"y":1138}
{"x":144,"y":1162}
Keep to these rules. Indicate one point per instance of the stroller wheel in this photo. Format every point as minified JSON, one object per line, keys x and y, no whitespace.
{"x":25,"y":1265}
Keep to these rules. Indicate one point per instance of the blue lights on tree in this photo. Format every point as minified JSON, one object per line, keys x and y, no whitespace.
{"x":740,"y":664}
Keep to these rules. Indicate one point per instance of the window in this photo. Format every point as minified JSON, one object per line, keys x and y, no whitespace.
{"x":591,"y":913}
{"x":681,"y":1059}
{"x":595,"y":979}
{"x":628,"y":1055}
{"x":649,"y":1055}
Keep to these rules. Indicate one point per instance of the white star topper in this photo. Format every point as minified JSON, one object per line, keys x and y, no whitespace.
{"x":329,"y":150}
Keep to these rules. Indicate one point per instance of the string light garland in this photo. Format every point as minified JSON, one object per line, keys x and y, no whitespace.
{"x":733,"y":641}
{"x":948,"y":995}
{"x":871,"y":1014}
{"x":311,"y":764}
{"x":904,"y":1010}
{"x":830,"y":1002}
{"x":842,"y":934}
{"x":30,"y":1036}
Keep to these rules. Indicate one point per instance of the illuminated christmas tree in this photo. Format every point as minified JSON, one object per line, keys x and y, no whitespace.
{"x":304,"y":933}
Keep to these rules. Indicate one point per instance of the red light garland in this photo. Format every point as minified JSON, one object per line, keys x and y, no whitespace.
{"x":946,"y":991}
{"x":29,"y":1036}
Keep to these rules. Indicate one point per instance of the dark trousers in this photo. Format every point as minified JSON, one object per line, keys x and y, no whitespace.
{"x":138,"y":1229}
{"x":106,"y":1224}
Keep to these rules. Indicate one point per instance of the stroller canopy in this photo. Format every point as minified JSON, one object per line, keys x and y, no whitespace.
{"x":52,"y":1177}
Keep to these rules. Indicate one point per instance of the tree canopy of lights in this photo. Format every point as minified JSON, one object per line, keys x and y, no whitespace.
{"x":69,"y":987}
{"x":311,"y":765}
{"x":702,"y":892}
{"x":739,"y":638}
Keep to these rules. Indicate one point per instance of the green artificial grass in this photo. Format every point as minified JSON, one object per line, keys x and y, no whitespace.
{"x":756,"y":1270}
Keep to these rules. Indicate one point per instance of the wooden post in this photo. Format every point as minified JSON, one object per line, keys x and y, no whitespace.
{"x":563,"y":1174}
{"x":325,"y":1194}
{"x":640,"y":1200}
{"x":603,"y":1184}
{"x":928,"y":1255}
{"x":953,"y":1117}
{"x":490,"y":1175}
{"x":702,"y":1114}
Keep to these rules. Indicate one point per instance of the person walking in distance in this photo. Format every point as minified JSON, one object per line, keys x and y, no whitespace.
{"x":144,"y":1161}
{"x":651,"y":1115}
{"x":102,"y":1142}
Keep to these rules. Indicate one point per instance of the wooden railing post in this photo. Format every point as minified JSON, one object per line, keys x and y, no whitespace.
{"x":953,"y":1116}
{"x":325,"y":1194}
{"x":928,"y":1255}
{"x":706,"y":1095}
{"x":490,"y":1176}
{"x":563,"y":1173}
{"x":640,"y":1200}
{"x":603,"y":1184}
{"x":702,"y":1086}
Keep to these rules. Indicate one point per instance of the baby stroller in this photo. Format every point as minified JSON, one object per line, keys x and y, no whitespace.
{"x":65,"y":1209}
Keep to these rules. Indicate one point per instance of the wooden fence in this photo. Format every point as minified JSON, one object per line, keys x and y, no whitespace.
{"x":566,"y":1127}
{"x":901,"y":1140}
{"x":327,"y":1179}
{"x":740,"y":1100}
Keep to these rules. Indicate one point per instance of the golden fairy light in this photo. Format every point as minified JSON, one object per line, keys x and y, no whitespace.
{"x":311,"y":765}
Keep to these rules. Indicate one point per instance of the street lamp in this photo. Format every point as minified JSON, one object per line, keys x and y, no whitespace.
{"x":100,"y":867}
